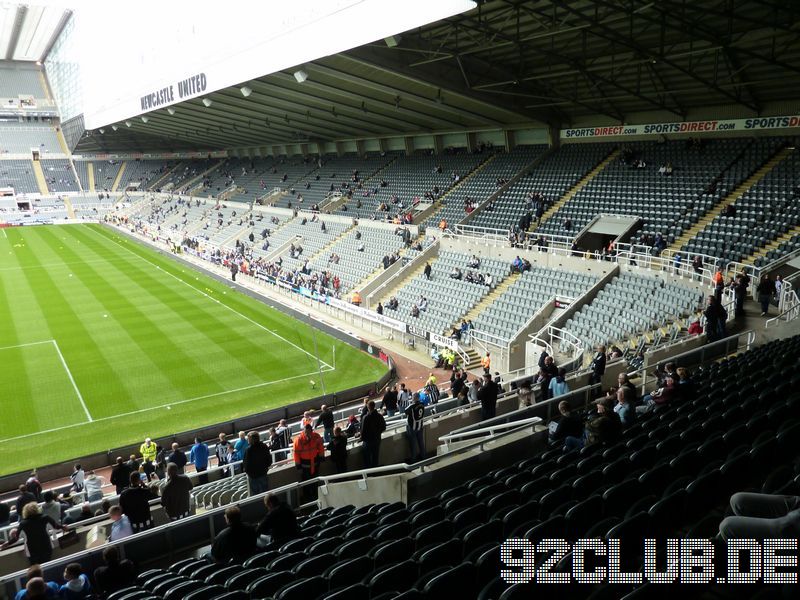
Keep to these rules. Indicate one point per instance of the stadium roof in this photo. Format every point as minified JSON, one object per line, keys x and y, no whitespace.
{"x":506,"y":62}
{"x":27,"y":31}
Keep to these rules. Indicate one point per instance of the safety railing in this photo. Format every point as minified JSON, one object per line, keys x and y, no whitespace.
{"x":490,"y":430}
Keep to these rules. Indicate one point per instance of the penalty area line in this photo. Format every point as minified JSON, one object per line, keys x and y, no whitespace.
{"x":72,"y":380}
{"x":162,"y":406}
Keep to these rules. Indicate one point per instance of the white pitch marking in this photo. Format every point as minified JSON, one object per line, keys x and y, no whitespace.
{"x":160,"y":406}
{"x":4,"y":233}
{"x":74,"y":385}
{"x":28,"y":344}
{"x":233,"y":310}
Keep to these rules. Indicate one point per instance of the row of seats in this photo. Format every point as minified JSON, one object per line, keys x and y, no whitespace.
{"x":20,"y":80}
{"x":21,"y":138}
{"x":105,"y":173}
{"x":145,"y":172}
{"x":18,"y":174}
{"x":59,"y":175}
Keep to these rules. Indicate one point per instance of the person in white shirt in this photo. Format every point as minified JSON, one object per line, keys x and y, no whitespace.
{"x":94,"y":486}
{"x":120,"y":526}
{"x":77,"y":478}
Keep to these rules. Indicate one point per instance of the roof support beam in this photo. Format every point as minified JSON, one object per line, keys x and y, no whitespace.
{"x":19,"y":19}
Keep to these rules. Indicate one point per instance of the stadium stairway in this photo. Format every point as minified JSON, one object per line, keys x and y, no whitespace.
{"x":389,"y":292}
{"x":327,"y":247}
{"x":156,"y":184}
{"x":194,"y":181}
{"x":489,"y":298}
{"x":118,"y":178}
{"x":90,"y":175}
{"x":703,"y":221}
{"x":69,"y":207}
{"x":375,"y":175}
{"x":773,"y":245}
{"x":41,"y":182}
{"x":576,"y":188}
{"x":439,"y":204}
{"x":270,"y":198}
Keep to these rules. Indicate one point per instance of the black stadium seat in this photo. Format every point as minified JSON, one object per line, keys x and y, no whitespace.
{"x":269,"y":584}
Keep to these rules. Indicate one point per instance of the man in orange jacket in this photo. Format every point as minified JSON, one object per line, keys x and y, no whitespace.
{"x":309,"y":451}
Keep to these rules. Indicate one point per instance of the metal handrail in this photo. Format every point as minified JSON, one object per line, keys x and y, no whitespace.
{"x":491,"y":429}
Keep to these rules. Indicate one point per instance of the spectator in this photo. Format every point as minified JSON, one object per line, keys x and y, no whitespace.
{"x":77,"y":585}
{"x":5,"y":513}
{"x":33,"y":485}
{"x":327,"y":421}
{"x":135,"y":503}
{"x":257,"y":461}
{"x":309,"y":451}
{"x":35,"y":528}
{"x":49,"y":589}
{"x":372,"y":426}
{"x":222,"y":452}
{"x":51,"y":508}
{"x":567,"y":425}
{"x":198,"y":456}
{"x":120,"y":475}
{"x":176,"y":493}
{"x":353,"y":427}
{"x":762,"y":516}
{"x":148,"y":450}
{"x":338,"y":449}
{"x":525,"y":394}
{"x":427,"y":270}
{"x":280,"y":522}
{"x":77,"y":478}
{"x":114,"y":574}
{"x":120,"y":524}
{"x":25,"y":497}
{"x":624,"y":406}
{"x":237,"y":542}
{"x":486,"y":363}
{"x":487,"y":396}
{"x":94,"y":486}
{"x":558,"y":385}
{"x":766,"y":291}
{"x":36,"y":589}
{"x":414,"y":431}
{"x":177,"y":457}
{"x":716,"y":316}
{"x":389,"y":402}
{"x":598,"y":366}
{"x":239,"y":448}
{"x":661,"y":397}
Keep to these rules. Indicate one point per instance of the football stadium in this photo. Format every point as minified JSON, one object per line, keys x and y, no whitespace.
{"x":355,"y":299}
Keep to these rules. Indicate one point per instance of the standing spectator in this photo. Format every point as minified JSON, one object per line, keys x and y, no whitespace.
{"x":237,"y":542}
{"x":558,"y":384}
{"x":525,"y":394}
{"x":120,"y":524}
{"x":77,"y":478}
{"x":160,"y":466}
{"x":256,"y":462}
{"x":120,"y":475}
{"x":115,"y":574}
{"x":403,"y":398}
{"x":716,"y":315}
{"x":148,"y":450}
{"x":25,"y":497}
{"x":133,"y":465}
{"x":326,"y":420}
{"x":276,"y":442}
{"x":487,"y":396}
{"x":280,"y":522}
{"x":33,"y":485}
{"x":486,"y":363}
{"x":222,"y":451}
{"x":135,"y":503}
{"x":51,"y":508}
{"x":177,"y":457}
{"x":239,"y":448}
{"x":598,"y":366}
{"x":34,"y":527}
{"x":77,"y":585}
{"x":766,"y":290}
{"x":414,"y":432}
{"x":338,"y":449}
{"x":427,"y":270}
{"x":308,"y":453}
{"x":389,"y":403}
{"x":372,"y":426}
{"x":199,"y":457}
{"x":94,"y":486}
{"x":176,"y":494}
{"x":284,"y":432}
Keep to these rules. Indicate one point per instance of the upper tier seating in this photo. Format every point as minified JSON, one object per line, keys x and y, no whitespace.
{"x":523,"y":298}
{"x":628,"y":305}
{"x":409,"y":178}
{"x":764,"y":212}
{"x":702,"y":175}
{"x":258,"y":176}
{"x":335,"y":175}
{"x":146,"y":172}
{"x":552,"y":177}
{"x":105,"y":173}
{"x":672,"y":472}
{"x":19,"y":80}
{"x":482,"y":184}
{"x":21,"y":138}
{"x":59,"y":175}
{"x":18,"y":174}
{"x":448,"y":298}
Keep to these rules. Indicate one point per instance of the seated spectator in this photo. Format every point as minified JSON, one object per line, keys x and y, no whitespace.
{"x":661,"y":397}
{"x":353,"y":426}
{"x":415,"y":311}
{"x":685,"y":386}
{"x":77,"y":585}
{"x":762,"y":516}
{"x":456,"y":273}
{"x":624,"y":406}
{"x":280,"y":522}
{"x":567,"y":425}
{"x":86,"y":513}
{"x":45,"y":589}
{"x":423,"y":303}
{"x":488,"y":280}
{"x":52,"y":507}
{"x":237,"y":542}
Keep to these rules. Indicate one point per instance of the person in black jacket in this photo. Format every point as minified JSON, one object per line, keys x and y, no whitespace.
{"x":372,"y":426}
{"x":338,"y":449}
{"x":135,"y":503}
{"x":389,"y":403}
{"x":237,"y":542}
{"x":598,"y":366}
{"x":327,"y":421}
{"x":487,"y":396}
{"x":120,"y":475}
{"x":280,"y":523}
{"x":569,"y":424}
{"x":256,"y":463}
{"x":177,"y":457}
{"x":115,"y":574}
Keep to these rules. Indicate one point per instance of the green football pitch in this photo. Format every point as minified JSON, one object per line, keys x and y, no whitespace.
{"x":104,"y":341}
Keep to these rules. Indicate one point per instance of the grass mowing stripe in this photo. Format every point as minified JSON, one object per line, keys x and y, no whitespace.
{"x":275,"y":333}
{"x":149,"y":338}
{"x":225,"y":341}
